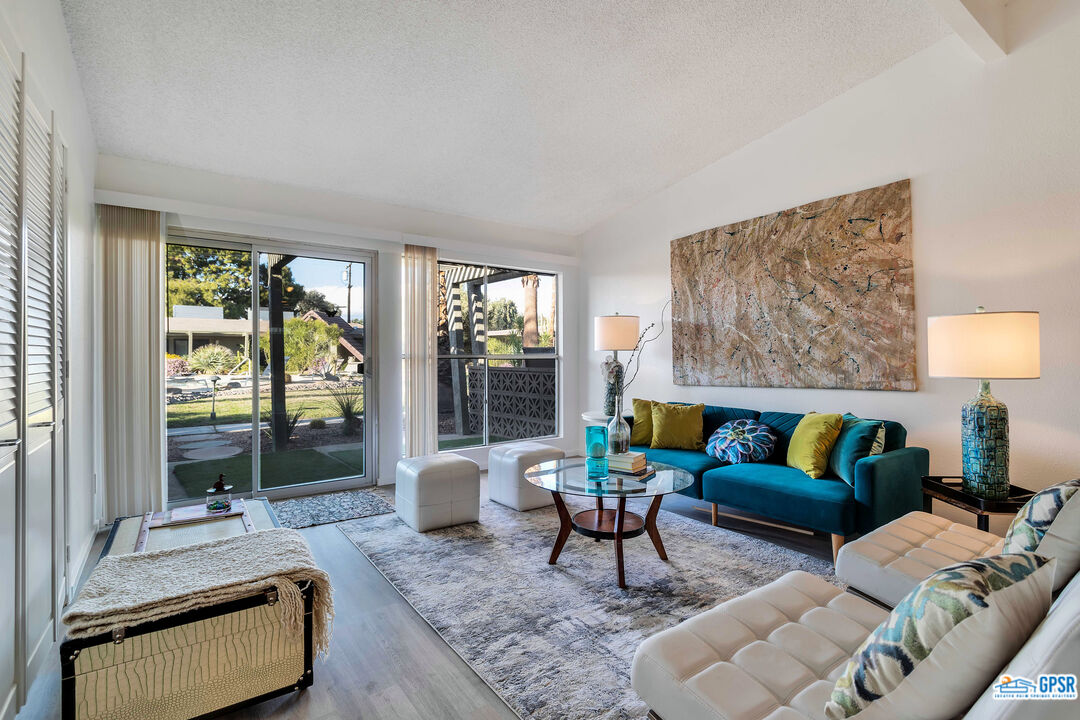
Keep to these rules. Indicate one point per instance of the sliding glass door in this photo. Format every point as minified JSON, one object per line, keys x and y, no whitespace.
{"x":312,"y":348}
{"x":268,"y":379}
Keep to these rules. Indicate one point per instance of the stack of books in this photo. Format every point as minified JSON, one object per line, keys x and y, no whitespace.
{"x":632,"y":464}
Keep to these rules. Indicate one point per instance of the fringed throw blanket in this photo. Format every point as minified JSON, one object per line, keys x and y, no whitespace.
{"x":127,"y":590}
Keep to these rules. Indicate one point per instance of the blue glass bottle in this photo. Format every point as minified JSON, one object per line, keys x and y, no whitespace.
{"x":596,"y":452}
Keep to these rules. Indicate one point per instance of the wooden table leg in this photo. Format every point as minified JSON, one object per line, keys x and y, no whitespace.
{"x":600,"y":509}
{"x":620,"y":513}
{"x":564,"y":527}
{"x":983,"y":522}
{"x":650,"y":527}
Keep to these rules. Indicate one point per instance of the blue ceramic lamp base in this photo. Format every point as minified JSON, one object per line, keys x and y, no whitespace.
{"x":985,"y":443}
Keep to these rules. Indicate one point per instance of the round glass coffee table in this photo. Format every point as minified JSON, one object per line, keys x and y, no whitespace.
{"x":570,"y":477}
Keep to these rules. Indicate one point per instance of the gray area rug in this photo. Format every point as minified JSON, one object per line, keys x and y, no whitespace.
{"x":556,"y":641}
{"x":333,"y":507}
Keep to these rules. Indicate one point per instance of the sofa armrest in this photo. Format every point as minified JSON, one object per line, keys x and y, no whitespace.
{"x":889,"y":485}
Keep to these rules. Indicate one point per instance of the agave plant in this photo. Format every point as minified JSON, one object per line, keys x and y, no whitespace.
{"x":350,"y":403}
{"x":293,"y":418}
{"x":211,"y":359}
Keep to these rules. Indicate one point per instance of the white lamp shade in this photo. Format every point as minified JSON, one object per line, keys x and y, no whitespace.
{"x":987,"y":346}
{"x":615,"y":332}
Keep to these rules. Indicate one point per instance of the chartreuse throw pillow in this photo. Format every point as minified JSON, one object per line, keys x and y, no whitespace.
{"x":812,"y":442}
{"x":676,"y":427}
{"x":946,"y":641}
{"x":641,"y":433}
{"x":1049,"y":524}
{"x":858,"y":438}
{"x":741,"y":441}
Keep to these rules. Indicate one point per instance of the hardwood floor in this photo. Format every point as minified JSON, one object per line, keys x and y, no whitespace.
{"x":385,"y":660}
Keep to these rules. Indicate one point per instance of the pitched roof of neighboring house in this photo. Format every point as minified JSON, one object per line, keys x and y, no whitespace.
{"x":352,"y":338}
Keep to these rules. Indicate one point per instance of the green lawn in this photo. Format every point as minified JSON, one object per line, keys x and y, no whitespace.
{"x":316,"y":404}
{"x":467,"y":442}
{"x":292,"y":467}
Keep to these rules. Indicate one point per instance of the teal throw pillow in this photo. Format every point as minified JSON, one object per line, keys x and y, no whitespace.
{"x":741,"y":441}
{"x":858,"y":439}
{"x":947,"y":640}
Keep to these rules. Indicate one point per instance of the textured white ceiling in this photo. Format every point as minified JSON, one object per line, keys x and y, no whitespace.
{"x":548,"y":114}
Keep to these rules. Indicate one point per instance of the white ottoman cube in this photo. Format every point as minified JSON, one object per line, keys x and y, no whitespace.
{"x":506,"y":469}
{"x":435,"y":491}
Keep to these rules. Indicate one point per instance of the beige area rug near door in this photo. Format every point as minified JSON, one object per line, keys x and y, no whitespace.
{"x":556,"y":641}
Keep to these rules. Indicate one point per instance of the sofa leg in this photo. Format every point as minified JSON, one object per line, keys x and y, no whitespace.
{"x":715,"y":515}
{"x":837,"y":543}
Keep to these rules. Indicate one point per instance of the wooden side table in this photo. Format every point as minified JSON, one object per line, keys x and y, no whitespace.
{"x":938,"y":487}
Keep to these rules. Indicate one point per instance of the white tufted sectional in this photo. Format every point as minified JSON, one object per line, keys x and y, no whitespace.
{"x":776,"y":652}
{"x":888,"y":562}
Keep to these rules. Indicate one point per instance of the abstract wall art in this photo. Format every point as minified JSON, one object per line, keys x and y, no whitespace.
{"x":818,"y":296}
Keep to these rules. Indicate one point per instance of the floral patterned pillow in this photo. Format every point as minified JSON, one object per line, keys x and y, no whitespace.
{"x":741,"y":441}
{"x":1049,"y":524}
{"x":946,"y":641}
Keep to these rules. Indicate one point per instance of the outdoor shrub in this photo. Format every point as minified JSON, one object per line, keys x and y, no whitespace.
{"x":176,"y":365}
{"x":350,"y":403}
{"x":317,"y":424}
{"x":306,"y":342}
{"x":211,"y":359}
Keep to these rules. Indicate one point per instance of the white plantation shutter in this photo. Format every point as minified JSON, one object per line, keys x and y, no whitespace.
{"x":40,"y":270}
{"x":59,"y":179}
{"x":9,"y":249}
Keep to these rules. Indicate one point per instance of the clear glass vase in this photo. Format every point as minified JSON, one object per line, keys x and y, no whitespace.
{"x":618,"y":430}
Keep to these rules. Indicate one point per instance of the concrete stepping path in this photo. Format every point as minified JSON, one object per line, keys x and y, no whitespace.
{"x":212,"y":453}
{"x":203,"y":444}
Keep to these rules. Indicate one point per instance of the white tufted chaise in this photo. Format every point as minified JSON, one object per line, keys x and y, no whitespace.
{"x":506,"y":474}
{"x":888,"y":562}
{"x":435,"y":491}
{"x":773,"y":653}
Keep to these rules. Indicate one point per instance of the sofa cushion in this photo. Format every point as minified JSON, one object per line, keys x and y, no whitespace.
{"x":888,"y":562}
{"x":858,"y":438}
{"x":741,"y":441}
{"x":946,"y":640}
{"x":1049,"y":524}
{"x":713,"y":416}
{"x":694,"y":462}
{"x":783,"y":425}
{"x":773,"y":653}
{"x":677,"y":427}
{"x":812,"y":442}
{"x":787,"y":494}
{"x":641,"y":426}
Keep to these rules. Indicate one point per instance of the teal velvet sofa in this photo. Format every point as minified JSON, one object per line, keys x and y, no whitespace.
{"x":886,"y":485}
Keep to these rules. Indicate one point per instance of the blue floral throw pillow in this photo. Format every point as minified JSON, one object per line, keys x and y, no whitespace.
{"x":741,"y":441}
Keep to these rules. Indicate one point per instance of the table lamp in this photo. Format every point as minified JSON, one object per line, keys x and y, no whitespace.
{"x":615,"y":333}
{"x":984,"y":346}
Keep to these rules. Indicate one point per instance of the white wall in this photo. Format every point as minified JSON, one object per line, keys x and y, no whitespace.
{"x":993,"y":152}
{"x":208,"y":201}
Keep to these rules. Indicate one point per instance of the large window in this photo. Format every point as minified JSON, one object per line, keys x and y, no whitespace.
{"x":498,"y":367}
{"x":276,"y":399}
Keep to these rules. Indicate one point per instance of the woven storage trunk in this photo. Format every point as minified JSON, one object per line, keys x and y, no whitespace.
{"x":194,"y":665}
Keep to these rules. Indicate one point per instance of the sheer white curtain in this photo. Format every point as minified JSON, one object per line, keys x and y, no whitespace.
{"x":132,"y":357}
{"x":420,"y":293}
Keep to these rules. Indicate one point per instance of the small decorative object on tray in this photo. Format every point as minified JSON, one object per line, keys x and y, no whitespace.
{"x":219,"y":497}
